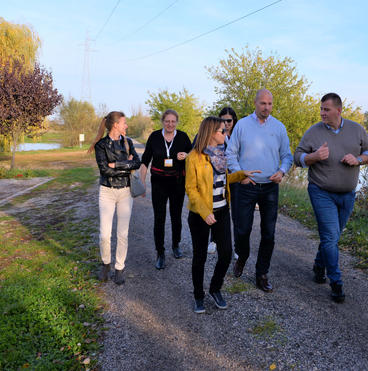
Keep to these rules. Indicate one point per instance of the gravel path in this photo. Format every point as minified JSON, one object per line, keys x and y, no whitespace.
{"x":151,"y":324}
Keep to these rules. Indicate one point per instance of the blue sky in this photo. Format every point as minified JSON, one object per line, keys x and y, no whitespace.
{"x":327,"y":39}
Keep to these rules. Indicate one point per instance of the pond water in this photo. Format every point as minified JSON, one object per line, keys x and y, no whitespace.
{"x":37,"y":146}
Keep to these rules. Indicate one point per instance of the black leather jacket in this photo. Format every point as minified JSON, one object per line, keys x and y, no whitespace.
{"x":107,"y":152}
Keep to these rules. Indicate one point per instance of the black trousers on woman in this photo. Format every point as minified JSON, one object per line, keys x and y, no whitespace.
{"x":172,"y":189}
{"x":221,"y":233}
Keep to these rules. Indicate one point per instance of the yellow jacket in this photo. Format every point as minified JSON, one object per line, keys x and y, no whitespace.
{"x":199,"y":183}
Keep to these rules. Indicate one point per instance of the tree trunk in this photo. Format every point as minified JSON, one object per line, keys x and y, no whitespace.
{"x":15,"y":142}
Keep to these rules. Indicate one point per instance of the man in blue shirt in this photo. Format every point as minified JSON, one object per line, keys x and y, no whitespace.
{"x":259,"y":141}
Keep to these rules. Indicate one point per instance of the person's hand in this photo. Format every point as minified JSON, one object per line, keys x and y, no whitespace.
{"x":322,"y":152}
{"x":350,"y":160}
{"x":130,"y":157}
{"x":247,"y":181}
{"x":277,"y":177}
{"x":248,"y":174}
{"x":181,"y":156}
{"x":210,"y":219}
{"x":112,"y":165}
{"x":91,"y":148}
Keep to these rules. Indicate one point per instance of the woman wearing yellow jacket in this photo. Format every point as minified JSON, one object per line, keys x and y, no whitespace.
{"x":207,"y":185}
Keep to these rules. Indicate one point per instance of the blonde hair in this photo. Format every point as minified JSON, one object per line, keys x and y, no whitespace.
{"x":208,"y":126}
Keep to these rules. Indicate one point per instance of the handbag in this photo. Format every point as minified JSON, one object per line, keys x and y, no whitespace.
{"x":137,"y":188}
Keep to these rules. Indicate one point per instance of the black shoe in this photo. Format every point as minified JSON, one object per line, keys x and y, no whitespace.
{"x":337,"y":292}
{"x":238,"y":267}
{"x":263,"y":284}
{"x":103,"y":275}
{"x":199,"y":306}
{"x":319,"y":274}
{"x":160,"y":263}
{"x":177,"y":252}
{"x":219,"y":300}
{"x":119,"y":278}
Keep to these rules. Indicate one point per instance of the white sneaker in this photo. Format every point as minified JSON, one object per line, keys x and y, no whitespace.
{"x":211,"y":248}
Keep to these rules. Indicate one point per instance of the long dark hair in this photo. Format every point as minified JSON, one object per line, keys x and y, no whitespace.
{"x":231,"y":112}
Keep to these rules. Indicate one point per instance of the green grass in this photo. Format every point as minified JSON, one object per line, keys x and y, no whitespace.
{"x":295,"y":203}
{"x":49,"y":308}
{"x":49,"y":137}
{"x":238,"y":286}
{"x":23,"y":173}
{"x":265,"y":328}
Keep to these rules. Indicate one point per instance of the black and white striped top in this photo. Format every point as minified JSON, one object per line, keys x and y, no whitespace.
{"x":219,"y":188}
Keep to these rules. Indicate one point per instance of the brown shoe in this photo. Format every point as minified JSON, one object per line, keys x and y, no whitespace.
{"x":238,"y":268}
{"x":263,"y":284}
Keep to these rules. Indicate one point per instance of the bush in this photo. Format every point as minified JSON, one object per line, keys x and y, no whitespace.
{"x":139,"y":125}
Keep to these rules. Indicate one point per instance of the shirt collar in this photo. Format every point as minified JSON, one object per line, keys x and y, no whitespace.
{"x":257,"y":119}
{"x":338,"y":129}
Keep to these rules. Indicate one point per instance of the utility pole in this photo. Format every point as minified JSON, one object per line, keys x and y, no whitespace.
{"x":86,"y":80}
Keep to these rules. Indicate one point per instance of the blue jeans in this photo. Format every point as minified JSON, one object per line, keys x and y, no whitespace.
{"x":332,"y":211}
{"x":267,"y":197}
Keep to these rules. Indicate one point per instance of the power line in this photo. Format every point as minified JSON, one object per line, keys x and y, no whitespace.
{"x":202,"y":34}
{"x":148,"y":22}
{"x":108,"y":18}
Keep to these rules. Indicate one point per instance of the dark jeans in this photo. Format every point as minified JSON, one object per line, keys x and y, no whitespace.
{"x":172,"y":189}
{"x":267,"y":197}
{"x":200,"y":230}
{"x":332,"y":212}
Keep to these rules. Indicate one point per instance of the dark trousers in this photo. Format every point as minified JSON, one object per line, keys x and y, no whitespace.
{"x":221,"y":233}
{"x":267,"y":197}
{"x":172,"y":189}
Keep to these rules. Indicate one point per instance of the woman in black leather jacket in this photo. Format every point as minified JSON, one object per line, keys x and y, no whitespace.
{"x":115,"y":165}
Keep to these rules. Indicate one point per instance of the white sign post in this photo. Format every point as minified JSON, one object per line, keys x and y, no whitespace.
{"x":81,"y":139}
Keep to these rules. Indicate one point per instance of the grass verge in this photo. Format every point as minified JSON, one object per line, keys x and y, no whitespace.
{"x":295,"y":203}
{"x":49,"y":308}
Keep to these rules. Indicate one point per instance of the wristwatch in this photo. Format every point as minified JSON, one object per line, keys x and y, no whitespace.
{"x":360,"y":160}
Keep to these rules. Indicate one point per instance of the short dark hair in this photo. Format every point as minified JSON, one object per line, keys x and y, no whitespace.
{"x":336,"y":100}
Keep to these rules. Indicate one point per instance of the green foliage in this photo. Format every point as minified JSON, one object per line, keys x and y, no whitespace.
{"x":352,"y":113}
{"x":139,"y":125}
{"x":78,"y":117}
{"x":240,"y":75}
{"x":186,"y":105}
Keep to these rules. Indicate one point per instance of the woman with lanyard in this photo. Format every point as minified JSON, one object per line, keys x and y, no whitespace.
{"x":207,"y":185}
{"x":167,"y":149}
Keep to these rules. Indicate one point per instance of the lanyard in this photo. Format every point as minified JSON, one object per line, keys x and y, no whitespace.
{"x":168,"y":147}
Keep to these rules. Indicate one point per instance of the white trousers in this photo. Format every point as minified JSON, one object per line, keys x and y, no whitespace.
{"x":109,"y":200}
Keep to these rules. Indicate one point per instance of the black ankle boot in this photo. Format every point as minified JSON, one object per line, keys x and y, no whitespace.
{"x":160,"y":262}
{"x":103,"y":276}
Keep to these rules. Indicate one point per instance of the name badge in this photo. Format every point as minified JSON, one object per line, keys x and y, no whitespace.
{"x":168,"y":162}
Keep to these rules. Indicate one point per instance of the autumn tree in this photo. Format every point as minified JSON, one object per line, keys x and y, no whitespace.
{"x":78,"y":117}
{"x":26,"y":98}
{"x":185,"y":104}
{"x":241,"y":74}
{"x":18,"y":42}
